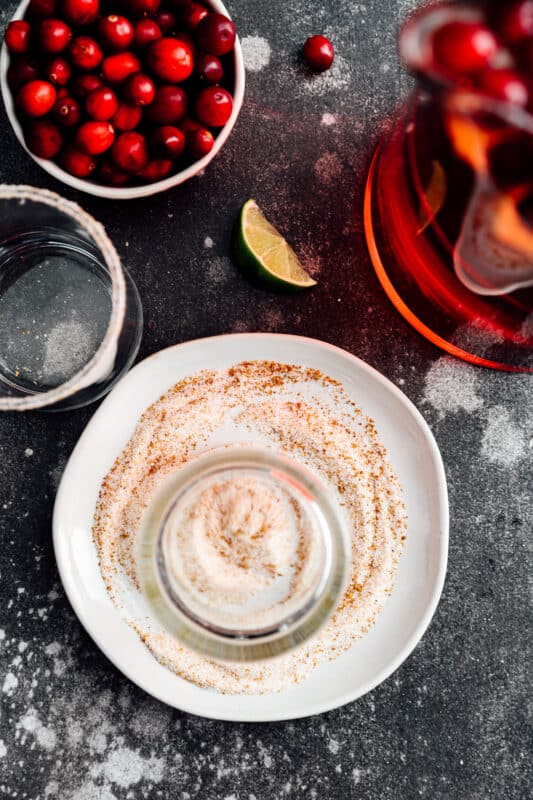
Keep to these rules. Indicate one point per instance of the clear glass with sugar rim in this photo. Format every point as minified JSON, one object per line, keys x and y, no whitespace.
{"x":231,"y":632}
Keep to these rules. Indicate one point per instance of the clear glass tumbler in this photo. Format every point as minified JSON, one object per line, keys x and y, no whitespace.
{"x":70,"y":315}
{"x":206,"y":588}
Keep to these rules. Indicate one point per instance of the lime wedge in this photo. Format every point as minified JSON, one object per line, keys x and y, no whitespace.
{"x":264,"y":254}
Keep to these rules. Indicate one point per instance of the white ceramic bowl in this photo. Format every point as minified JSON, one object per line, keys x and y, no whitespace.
{"x":127,"y":193}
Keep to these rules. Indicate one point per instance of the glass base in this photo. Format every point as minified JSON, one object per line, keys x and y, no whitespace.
{"x":413,"y":261}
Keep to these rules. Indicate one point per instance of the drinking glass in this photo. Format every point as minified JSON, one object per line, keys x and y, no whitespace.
{"x":449,"y":213}
{"x":70,"y":315}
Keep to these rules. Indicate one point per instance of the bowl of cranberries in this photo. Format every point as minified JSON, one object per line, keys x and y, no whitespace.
{"x":122,"y":98}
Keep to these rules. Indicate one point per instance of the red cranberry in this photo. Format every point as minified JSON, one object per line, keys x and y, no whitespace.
{"x":505,"y":84}
{"x":129,"y":152}
{"x":85,"y":53}
{"x":462,"y":46}
{"x":80,"y":12}
{"x":101,"y":104}
{"x":53,"y":35}
{"x":169,"y":106}
{"x":155,"y":170}
{"x":20,"y":71}
{"x":188,"y":126}
{"x":67,"y":112}
{"x":216,"y":34}
{"x":18,"y":36}
{"x":109,"y":174}
{"x":145,"y":32}
{"x":200,"y":143}
{"x":140,"y":89}
{"x":168,"y":141}
{"x":83,"y":84}
{"x":170,"y":59}
{"x":210,"y":69}
{"x":58,"y":71}
{"x":516,"y":21}
{"x":61,"y":93}
{"x":116,"y":33}
{"x":76,"y":162}
{"x":166,"y":21}
{"x":192,"y":15}
{"x":127,"y":117}
{"x":95,"y":137}
{"x":43,"y":138}
{"x":117,"y":68}
{"x":143,"y":8}
{"x":40,"y":9}
{"x":36,"y":98}
{"x":214,"y":106}
{"x":319,"y":53}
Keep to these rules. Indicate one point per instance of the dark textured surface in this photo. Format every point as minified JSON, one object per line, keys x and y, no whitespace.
{"x":453,"y":721}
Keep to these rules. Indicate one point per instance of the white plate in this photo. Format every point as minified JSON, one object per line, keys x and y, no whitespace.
{"x":414,"y":455}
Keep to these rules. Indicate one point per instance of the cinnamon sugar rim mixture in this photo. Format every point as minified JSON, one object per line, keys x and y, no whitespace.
{"x":302,"y":413}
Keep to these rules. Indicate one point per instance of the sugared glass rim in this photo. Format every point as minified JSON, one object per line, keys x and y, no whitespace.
{"x":92,"y":371}
{"x":253,"y":644}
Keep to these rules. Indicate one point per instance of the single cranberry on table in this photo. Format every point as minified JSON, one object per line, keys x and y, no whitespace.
{"x":21,"y":71}
{"x":166,"y":21}
{"x":462,"y":46}
{"x":516,"y":21}
{"x":143,"y":8}
{"x":58,"y":71}
{"x":156,"y":170}
{"x":95,"y":138}
{"x":171,"y":59}
{"x":53,"y":35}
{"x":75,"y":161}
{"x":40,"y":9}
{"x":109,"y":174}
{"x":85,"y":53}
{"x":200,"y":143}
{"x":117,"y":68}
{"x":43,"y":138}
{"x":81,"y":85}
{"x":127,"y":117}
{"x":67,"y":112}
{"x":214,"y":106}
{"x":209,"y":68}
{"x":319,"y":53}
{"x":115,"y":32}
{"x":145,"y":32}
{"x":169,"y":105}
{"x":79,"y":12}
{"x":129,"y":152}
{"x":36,"y":98}
{"x":101,"y":104}
{"x":18,"y":36}
{"x":216,"y":34}
{"x":192,"y":14}
{"x":168,"y":141}
{"x":505,"y":84}
{"x":139,"y":89}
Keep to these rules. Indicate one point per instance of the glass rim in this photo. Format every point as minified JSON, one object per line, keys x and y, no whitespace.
{"x":90,"y":372}
{"x":230,"y":643}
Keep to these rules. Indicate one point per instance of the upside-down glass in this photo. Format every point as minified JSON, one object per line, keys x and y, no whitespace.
{"x":449,"y":216}
{"x":70,"y":315}
{"x":232,"y":636}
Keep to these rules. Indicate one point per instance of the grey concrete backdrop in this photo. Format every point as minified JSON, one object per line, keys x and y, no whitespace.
{"x":453,"y":722}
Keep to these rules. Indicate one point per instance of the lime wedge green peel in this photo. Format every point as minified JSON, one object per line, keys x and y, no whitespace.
{"x":264,"y":254}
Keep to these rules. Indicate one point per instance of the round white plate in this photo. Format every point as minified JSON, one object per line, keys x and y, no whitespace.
{"x":407,"y":613}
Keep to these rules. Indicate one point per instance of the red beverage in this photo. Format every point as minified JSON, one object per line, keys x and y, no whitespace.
{"x":449,"y":196}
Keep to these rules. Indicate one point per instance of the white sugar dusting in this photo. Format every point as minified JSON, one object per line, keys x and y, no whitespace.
{"x":256,"y":53}
{"x":328,"y":119}
{"x":44,"y":736}
{"x":208,"y":242}
{"x":10,"y":683}
{"x":328,"y":168}
{"x":503,"y":440}
{"x":451,"y":386}
{"x":69,"y":347}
